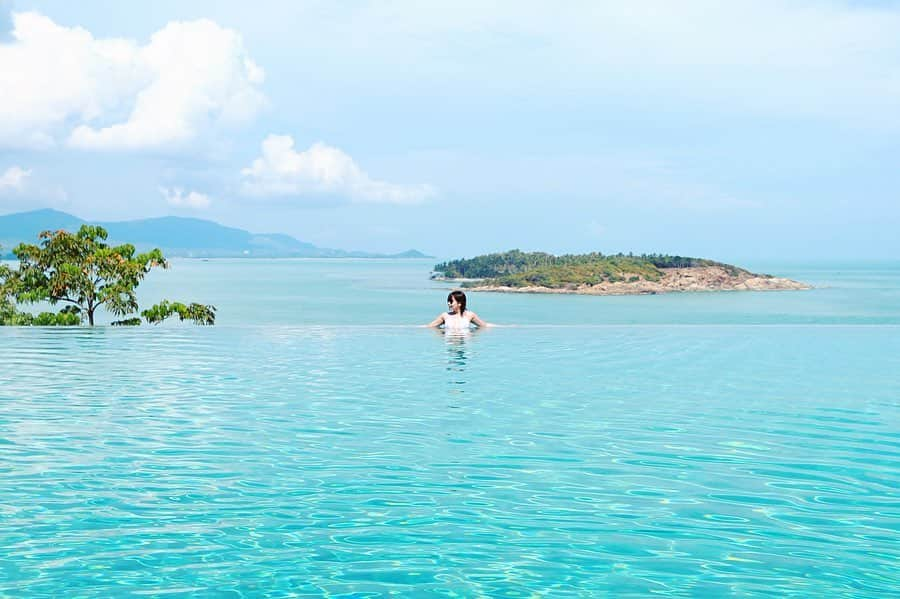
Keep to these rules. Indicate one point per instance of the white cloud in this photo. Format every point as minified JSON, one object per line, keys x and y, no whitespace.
{"x":322,"y":169}
{"x":116,"y":94}
{"x":178,"y":198}
{"x":20,"y":190}
{"x":14,"y":179}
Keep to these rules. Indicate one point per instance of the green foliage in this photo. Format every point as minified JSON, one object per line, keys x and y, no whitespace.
{"x":81,"y":270}
{"x":12,"y":317}
{"x":495,"y":265}
{"x":522,"y":269}
{"x":197,"y":313}
{"x":56,"y":319}
{"x":9,"y":315}
{"x":127,"y":322}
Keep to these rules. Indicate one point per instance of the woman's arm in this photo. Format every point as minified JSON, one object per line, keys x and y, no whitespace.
{"x":436,"y":322}
{"x":478,"y":322}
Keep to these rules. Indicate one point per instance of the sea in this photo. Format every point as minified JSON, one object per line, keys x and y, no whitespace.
{"x":316,"y":442}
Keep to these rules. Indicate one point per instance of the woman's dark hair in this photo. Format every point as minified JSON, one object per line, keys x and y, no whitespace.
{"x":460,"y":298}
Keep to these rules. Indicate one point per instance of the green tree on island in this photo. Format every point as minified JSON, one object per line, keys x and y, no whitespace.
{"x":82,"y":271}
{"x":516,"y":268}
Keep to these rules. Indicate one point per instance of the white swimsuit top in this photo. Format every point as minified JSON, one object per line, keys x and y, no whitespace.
{"x":455,"y":322}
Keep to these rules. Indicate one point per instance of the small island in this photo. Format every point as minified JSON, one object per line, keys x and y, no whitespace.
{"x":598,"y":274}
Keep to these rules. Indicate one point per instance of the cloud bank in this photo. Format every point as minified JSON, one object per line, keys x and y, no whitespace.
{"x":21,"y":190}
{"x":14,"y":179}
{"x":178,"y":198}
{"x":321,"y":170}
{"x":106,"y":94}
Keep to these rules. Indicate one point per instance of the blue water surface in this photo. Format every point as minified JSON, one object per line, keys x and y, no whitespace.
{"x":314,"y":443}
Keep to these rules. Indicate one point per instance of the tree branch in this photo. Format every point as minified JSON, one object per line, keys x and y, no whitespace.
{"x":64,"y":299}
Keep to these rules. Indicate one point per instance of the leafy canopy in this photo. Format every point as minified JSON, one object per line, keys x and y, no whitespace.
{"x":83,"y":271}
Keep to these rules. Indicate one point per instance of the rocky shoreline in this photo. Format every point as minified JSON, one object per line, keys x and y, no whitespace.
{"x":699,"y":278}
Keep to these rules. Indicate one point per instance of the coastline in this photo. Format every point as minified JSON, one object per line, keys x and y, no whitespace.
{"x":674,"y":280}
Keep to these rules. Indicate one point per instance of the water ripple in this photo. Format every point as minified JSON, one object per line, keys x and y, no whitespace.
{"x":277,"y":461}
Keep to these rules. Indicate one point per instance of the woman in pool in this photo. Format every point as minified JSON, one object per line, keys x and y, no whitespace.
{"x":457,"y":318}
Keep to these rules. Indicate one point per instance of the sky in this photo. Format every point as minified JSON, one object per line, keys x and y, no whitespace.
{"x":737,"y":130}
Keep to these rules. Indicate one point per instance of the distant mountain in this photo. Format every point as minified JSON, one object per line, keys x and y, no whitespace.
{"x":26,"y":225}
{"x":177,"y":236}
{"x":411,"y":254}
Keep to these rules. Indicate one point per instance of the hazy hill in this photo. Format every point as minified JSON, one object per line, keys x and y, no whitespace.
{"x":177,"y":236}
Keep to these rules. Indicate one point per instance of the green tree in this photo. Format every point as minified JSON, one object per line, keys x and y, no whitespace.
{"x":194,"y":312}
{"x":81,"y":270}
{"x":8,"y":312}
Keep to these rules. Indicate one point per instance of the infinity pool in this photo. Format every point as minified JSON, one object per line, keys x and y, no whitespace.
{"x":694,"y":460}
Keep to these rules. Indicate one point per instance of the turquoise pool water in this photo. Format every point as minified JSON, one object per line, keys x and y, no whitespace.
{"x":314,"y":444}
